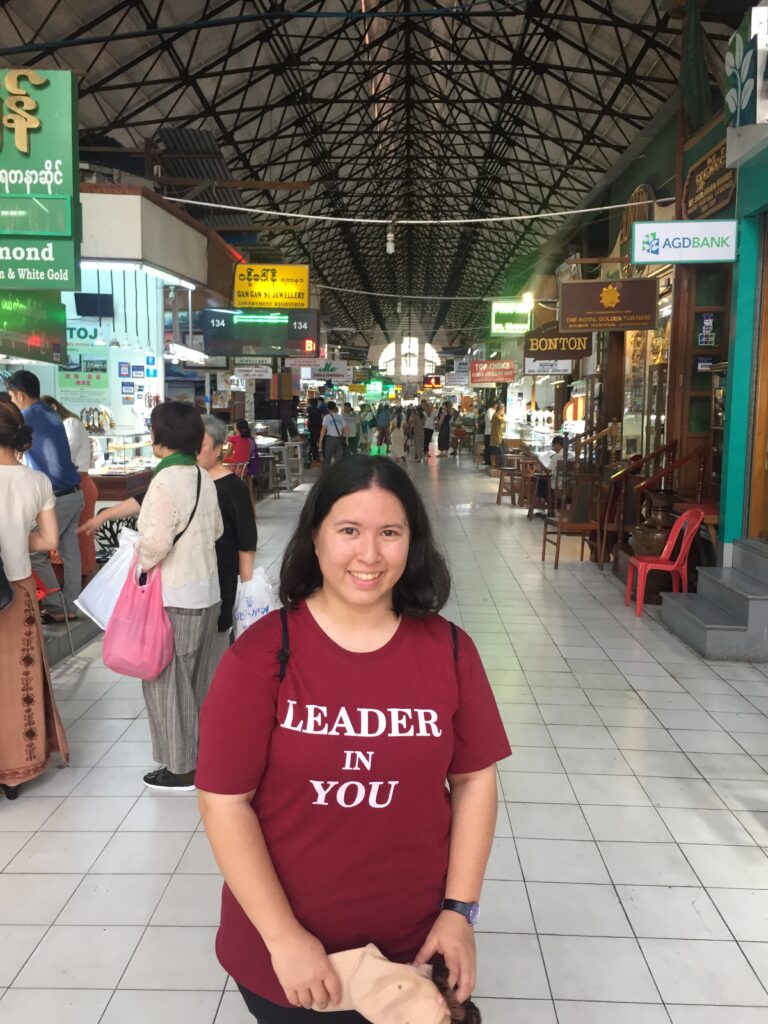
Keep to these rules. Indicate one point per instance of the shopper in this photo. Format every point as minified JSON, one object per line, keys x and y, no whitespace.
{"x":178,"y":527}
{"x":332,"y":434}
{"x":241,"y":442}
{"x":50,"y":454}
{"x":397,"y":436}
{"x":444,"y":430}
{"x":429,"y":425}
{"x":314,"y":426}
{"x":80,"y":449}
{"x":236,"y":547}
{"x":380,"y":768}
{"x":352,"y":423}
{"x":30,"y":727}
{"x":383,"y":420}
{"x":488,"y":422}
{"x":416,"y":423}
{"x":498,"y":427}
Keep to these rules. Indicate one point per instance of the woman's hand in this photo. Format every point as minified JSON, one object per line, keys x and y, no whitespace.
{"x":90,"y":526}
{"x":452,"y":935}
{"x":304,"y":970}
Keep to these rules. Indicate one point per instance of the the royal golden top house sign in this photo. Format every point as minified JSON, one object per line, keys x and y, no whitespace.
{"x":39,"y":181}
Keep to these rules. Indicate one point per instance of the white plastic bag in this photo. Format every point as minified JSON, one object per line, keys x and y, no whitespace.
{"x":98,"y":599}
{"x":253,"y":600}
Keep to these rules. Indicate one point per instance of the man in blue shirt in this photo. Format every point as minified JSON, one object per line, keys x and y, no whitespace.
{"x":50,"y":454}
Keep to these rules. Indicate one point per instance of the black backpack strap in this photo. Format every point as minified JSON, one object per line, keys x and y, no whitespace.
{"x":285,"y":651}
{"x":455,"y":636}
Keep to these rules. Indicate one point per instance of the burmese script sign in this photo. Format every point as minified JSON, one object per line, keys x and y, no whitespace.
{"x":39,"y":181}
{"x":492,"y":371}
{"x":548,"y":343}
{"x":710,"y":185}
{"x":271,"y":286}
{"x":631,"y":305}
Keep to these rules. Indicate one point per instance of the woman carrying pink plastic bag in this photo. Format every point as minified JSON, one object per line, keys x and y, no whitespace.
{"x":139,"y":637}
{"x":178,"y":527}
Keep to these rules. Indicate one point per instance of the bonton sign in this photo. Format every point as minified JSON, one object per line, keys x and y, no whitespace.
{"x":492,"y":371}
{"x":684,"y":241}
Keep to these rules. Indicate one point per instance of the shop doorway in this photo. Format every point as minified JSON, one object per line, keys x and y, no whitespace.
{"x":758,"y":499}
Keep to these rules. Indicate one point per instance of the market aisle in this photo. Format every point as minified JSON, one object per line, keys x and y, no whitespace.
{"x":629,"y":866}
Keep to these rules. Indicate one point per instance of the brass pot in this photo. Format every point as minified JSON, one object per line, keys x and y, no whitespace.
{"x":652,"y":533}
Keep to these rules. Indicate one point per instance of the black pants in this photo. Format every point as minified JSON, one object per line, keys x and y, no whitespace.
{"x":487,"y":451}
{"x":270,"y":1013}
{"x":428,"y":432}
{"x":314,"y":445}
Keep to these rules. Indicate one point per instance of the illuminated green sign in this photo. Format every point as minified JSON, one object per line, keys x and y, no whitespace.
{"x":33,"y":326}
{"x":510,"y":317}
{"x":39,"y":181}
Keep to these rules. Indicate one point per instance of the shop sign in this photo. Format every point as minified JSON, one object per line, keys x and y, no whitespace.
{"x":252,"y":361}
{"x":298,"y":362}
{"x":631,"y":305}
{"x":707,"y":336}
{"x":271,"y":286}
{"x":33,"y":326}
{"x":540,"y":367}
{"x":374,"y":389}
{"x":549,"y":343}
{"x":459,"y":376}
{"x":509,"y":317}
{"x":127,"y":388}
{"x":254,"y":372}
{"x":39,"y":181}
{"x":684,"y":241}
{"x":432,"y":380}
{"x":491,"y":371}
{"x":336,"y":370}
{"x":265,"y":333}
{"x":709,"y":185}
{"x":704,"y":364}
{"x":741,"y":80}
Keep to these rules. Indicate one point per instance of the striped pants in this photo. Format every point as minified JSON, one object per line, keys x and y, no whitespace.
{"x":173,"y":699}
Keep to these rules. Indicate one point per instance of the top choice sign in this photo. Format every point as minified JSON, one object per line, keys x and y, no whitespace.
{"x":684,"y":241}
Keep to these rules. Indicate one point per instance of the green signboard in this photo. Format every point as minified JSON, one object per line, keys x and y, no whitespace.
{"x":39,"y":181}
{"x":33,"y":326}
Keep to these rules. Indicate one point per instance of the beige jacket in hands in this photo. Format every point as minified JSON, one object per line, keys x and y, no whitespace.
{"x":387,"y":993}
{"x":165,"y":512}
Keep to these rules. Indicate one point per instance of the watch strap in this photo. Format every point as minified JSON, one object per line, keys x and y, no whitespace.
{"x":468,"y":911}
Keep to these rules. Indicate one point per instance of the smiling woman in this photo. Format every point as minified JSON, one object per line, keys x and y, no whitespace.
{"x":358,"y":727}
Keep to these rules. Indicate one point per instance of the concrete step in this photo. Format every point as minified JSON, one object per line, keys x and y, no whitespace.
{"x":57,"y":644}
{"x":741,"y":595}
{"x":751,"y":557}
{"x":709,"y":630}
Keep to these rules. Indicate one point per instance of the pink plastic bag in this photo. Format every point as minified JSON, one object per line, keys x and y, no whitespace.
{"x":138,"y":640}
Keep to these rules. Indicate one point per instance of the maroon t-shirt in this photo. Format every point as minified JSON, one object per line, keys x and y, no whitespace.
{"x":349,"y":757}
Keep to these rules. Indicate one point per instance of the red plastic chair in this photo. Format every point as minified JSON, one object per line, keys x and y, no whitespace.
{"x":42,"y":593}
{"x":690,"y":522}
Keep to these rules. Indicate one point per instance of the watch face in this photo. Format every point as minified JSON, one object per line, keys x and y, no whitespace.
{"x":473,"y":913}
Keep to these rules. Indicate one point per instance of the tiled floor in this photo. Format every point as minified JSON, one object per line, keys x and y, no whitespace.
{"x":629,"y":876}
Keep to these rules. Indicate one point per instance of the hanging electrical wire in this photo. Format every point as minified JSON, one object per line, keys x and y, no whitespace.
{"x":390,"y":222}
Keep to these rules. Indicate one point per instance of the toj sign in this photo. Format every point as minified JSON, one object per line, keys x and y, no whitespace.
{"x":271,"y":286}
{"x":684,"y":241}
{"x":39,"y":181}
{"x":618,"y":305}
{"x":548,"y":343}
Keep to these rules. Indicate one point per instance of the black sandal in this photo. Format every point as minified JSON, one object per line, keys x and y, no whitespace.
{"x":11,"y":792}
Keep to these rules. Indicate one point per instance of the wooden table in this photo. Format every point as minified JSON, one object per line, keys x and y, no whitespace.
{"x":119,"y":486}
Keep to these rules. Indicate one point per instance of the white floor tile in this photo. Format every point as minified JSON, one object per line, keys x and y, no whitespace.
{"x":647,"y":864}
{"x":560,"y":860}
{"x":59,"y":853}
{"x":190,"y":900}
{"x":17,"y":941}
{"x":609,"y":1013}
{"x":505,"y":908}
{"x":64,"y":1006}
{"x":537,"y":787}
{"x":165,"y":1008}
{"x":510,"y":966}
{"x":79,"y":957}
{"x":711,"y":973}
{"x":626,"y":824}
{"x":572,"y":909}
{"x":175,"y":958}
{"x":576,"y":967}
{"x":740,"y":867}
{"x":114,"y":900}
{"x":34,"y":899}
{"x":543,"y":821}
{"x":705,"y":826}
{"x":672,"y":912}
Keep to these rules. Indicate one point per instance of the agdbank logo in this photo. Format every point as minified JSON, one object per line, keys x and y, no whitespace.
{"x":650,"y":243}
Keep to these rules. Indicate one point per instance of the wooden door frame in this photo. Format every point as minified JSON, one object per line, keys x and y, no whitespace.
{"x":757,"y":508}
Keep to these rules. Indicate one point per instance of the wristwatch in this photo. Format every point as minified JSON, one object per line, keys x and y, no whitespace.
{"x":471,"y":911}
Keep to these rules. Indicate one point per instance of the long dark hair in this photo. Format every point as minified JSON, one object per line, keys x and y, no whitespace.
{"x":425,"y":584}
{"x":242,"y":428}
{"x":14,"y":433}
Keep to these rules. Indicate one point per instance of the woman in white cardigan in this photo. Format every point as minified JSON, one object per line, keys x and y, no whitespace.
{"x":178,"y":527}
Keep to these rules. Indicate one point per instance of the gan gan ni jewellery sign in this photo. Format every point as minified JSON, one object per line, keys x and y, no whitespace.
{"x":39,"y":181}
{"x":271,"y":286}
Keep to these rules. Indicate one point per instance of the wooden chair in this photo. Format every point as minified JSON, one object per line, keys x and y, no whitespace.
{"x":579,"y":514}
{"x":509,"y":477}
{"x":530,"y":471}
{"x":689,"y":524}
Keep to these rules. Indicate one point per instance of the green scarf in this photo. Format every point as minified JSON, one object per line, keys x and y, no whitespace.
{"x":177,"y":459}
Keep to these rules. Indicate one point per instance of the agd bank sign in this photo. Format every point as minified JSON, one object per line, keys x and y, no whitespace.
{"x":684,"y":241}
